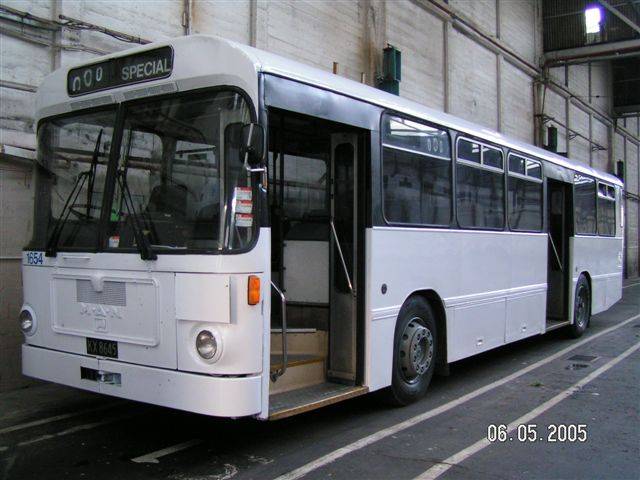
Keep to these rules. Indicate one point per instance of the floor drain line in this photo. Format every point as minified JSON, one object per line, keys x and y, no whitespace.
{"x":583,"y":358}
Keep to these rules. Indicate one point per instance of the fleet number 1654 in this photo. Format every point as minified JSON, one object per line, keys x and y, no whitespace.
{"x":35,"y":258}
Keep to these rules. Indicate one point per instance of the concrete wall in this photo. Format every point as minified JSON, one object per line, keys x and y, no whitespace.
{"x":16,"y":205}
{"x":480,"y":64}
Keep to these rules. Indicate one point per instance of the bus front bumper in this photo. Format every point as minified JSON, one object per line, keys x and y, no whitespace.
{"x":204,"y":394}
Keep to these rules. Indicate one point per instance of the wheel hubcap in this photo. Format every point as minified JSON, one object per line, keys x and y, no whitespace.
{"x":416,"y":350}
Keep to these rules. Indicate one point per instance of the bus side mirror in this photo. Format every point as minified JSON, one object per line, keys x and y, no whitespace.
{"x":253,"y":144}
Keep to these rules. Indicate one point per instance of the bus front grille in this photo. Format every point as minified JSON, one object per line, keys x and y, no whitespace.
{"x":113,"y":293}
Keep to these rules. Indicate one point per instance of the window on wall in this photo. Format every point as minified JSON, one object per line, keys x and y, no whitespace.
{"x":585,"y":204}
{"x":525,"y":194}
{"x":592,"y":19}
{"x":606,"y":210}
{"x":593,"y":24}
{"x":480,"y":185}
{"x":416,"y":171}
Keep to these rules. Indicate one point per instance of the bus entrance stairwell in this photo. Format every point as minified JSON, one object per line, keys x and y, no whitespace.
{"x":312,"y":200}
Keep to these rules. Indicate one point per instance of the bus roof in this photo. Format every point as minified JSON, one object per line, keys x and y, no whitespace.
{"x":243,"y":60}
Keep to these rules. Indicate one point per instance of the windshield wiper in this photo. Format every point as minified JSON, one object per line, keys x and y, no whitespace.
{"x":144,"y":246}
{"x":52,"y":244}
{"x":92,"y":173}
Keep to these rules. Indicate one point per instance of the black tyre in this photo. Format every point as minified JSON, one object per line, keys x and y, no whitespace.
{"x":581,"y":308}
{"x":415,"y":352}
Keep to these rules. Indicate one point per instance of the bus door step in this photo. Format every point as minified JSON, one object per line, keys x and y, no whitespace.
{"x":287,"y":404}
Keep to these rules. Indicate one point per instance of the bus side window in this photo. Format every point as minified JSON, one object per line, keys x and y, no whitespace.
{"x":606,"y":210}
{"x":585,"y":204}
{"x":525,"y":194}
{"x":416,"y":171}
{"x":480,"y":185}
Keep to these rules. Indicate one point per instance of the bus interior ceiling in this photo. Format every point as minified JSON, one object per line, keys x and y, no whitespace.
{"x":301,"y":211}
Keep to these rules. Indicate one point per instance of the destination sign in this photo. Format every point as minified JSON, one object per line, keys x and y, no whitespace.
{"x":140,"y":67}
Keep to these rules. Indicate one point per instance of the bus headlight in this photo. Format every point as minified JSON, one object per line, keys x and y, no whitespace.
{"x":206,"y":344}
{"x":27,"y":321}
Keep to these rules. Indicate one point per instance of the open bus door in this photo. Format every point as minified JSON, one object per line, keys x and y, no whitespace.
{"x":343,"y":253}
{"x":560,"y":228}
{"x":317,"y":219}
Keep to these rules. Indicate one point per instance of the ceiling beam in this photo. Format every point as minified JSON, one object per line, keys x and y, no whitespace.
{"x":601,"y":51}
{"x":627,"y":110}
{"x":620,"y":15}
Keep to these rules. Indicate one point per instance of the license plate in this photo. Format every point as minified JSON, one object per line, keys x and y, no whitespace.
{"x":102,"y":348}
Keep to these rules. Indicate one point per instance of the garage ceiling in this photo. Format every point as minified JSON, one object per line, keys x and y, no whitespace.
{"x":616,"y":39}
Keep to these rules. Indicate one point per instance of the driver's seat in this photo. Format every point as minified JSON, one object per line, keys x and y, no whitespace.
{"x":169,"y":199}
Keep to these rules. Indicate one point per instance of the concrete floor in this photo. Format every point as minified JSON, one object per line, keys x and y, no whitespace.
{"x":53,"y":432}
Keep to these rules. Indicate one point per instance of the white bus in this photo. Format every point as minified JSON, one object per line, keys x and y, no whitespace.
{"x":221,"y":230}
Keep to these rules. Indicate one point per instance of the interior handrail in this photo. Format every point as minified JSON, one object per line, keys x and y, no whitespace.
{"x":555,"y":251}
{"x":283,"y":303}
{"x":344,"y":263}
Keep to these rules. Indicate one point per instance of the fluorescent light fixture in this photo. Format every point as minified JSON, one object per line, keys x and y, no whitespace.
{"x":592,"y":18}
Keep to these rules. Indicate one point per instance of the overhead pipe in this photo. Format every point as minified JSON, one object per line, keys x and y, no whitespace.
{"x":592,"y":53}
{"x":597,"y":58}
{"x":187,"y":16}
{"x":42,"y":23}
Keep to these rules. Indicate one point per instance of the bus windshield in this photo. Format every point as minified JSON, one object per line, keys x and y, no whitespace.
{"x":178,"y":183}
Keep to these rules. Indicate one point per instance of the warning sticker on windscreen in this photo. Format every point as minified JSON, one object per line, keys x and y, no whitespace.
{"x":244,"y":206}
{"x":244,"y":220}
{"x":243,"y":193}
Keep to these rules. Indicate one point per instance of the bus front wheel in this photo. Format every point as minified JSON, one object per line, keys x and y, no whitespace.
{"x":581,"y":308}
{"x":415,"y":352}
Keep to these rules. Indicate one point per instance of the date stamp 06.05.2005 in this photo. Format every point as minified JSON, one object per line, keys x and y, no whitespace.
{"x":531,"y":432}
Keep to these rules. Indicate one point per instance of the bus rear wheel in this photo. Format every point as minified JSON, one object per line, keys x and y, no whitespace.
{"x":415,"y":352}
{"x":581,"y":308}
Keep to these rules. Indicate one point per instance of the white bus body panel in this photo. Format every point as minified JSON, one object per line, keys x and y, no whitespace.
{"x":218,"y":396}
{"x":601,"y":258}
{"x":492,"y":284}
